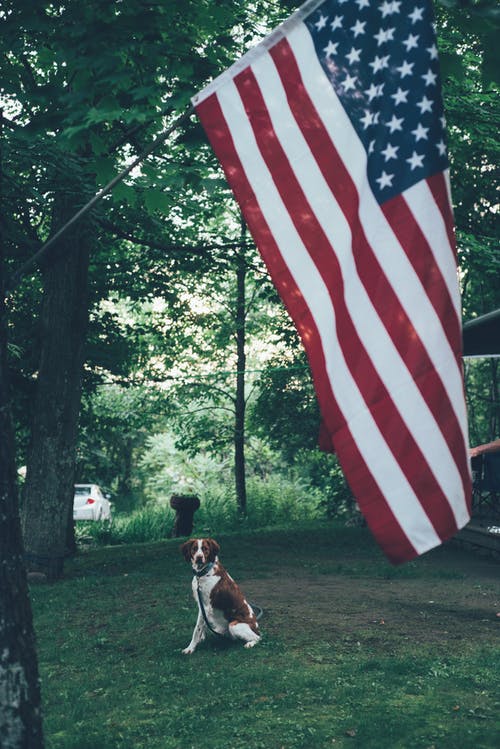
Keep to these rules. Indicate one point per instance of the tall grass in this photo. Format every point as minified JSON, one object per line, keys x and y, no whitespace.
{"x":270,"y":502}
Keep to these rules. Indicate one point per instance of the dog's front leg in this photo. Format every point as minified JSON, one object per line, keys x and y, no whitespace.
{"x":199,"y":634}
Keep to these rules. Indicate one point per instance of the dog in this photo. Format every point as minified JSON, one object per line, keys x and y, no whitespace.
{"x":222,"y":607}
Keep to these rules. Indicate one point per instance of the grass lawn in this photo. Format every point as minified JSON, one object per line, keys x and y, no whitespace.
{"x":355,"y":653}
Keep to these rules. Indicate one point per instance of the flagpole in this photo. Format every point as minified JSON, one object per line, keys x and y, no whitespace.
{"x":42,"y":252}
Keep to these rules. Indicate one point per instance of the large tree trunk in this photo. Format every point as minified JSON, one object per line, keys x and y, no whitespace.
{"x":20,"y":717}
{"x":239,"y":427}
{"x":48,"y":498}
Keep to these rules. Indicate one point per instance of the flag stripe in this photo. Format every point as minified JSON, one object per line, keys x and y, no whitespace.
{"x":429,"y":219}
{"x":408,"y":229}
{"x":283,"y":268}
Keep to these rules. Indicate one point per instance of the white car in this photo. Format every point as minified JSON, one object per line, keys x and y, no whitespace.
{"x":90,"y":503}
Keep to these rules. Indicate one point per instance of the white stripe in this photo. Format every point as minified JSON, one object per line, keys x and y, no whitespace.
{"x":385,"y":469}
{"x":396,"y":266}
{"x":430,"y":220}
{"x":386,"y":359}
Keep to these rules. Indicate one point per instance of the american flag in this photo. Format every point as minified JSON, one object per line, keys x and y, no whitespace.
{"x":332,"y":136}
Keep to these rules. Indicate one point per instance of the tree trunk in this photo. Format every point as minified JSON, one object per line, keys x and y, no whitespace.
{"x":51,"y":458}
{"x":239,"y":427}
{"x":20,"y":717}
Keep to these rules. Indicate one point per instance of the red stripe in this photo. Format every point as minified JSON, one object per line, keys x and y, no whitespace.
{"x":380,"y":518}
{"x":437,"y":185}
{"x":419,"y":253}
{"x":383,"y":297}
{"x":378,"y":399}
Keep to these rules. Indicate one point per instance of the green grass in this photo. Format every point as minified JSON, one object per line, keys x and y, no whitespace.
{"x":113,"y":676}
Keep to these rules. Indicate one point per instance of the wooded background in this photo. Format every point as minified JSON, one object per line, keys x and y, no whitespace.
{"x":149,"y":351}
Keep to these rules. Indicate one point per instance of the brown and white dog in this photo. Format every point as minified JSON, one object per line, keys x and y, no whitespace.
{"x":222,"y":606}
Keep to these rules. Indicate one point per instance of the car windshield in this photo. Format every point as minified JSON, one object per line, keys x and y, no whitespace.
{"x":82,"y":490}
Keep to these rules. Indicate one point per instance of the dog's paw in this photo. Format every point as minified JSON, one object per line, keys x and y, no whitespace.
{"x":188,"y":651}
{"x":251,"y":644}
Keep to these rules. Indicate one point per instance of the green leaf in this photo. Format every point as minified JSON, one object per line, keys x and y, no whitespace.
{"x":156,"y":200}
{"x":123,"y":192}
{"x":104,"y":170}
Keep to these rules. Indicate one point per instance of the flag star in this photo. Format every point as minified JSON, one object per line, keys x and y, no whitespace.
{"x":371,"y":146}
{"x":442,"y":120}
{"x":367,"y":120}
{"x":321,"y":23}
{"x":385,"y":180}
{"x":430,"y":78}
{"x":336,"y":23}
{"x":354,"y":55}
{"x":379,"y":63}
{"x":384,"y":35}
{"x":331,"y":48}
{"x":395,"y":123}
{"x":420,"y":132}
{"x":390,"y":152}
{"x":433,"y":52}
{"x":358,"y":28}
{"x":349,"y":82}
{"x":363,"y":4}
{"x":386,"y":9}
{"x":417,"y":14}
{"x":425,"y":104}
{"x":441,"y":147}
{"x":415,"y":160}
{"x":411,"y":42}
{"x":371,"y":92}
{"x":400,"y":97}
{"x":406,"y":68}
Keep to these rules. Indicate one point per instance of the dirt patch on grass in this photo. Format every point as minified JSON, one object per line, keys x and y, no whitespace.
{"x":449,"y":597}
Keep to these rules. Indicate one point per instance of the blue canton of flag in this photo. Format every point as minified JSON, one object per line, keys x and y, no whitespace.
{"x":381,"y":59}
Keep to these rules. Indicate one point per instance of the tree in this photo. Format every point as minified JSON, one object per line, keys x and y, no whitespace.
{"x":20,"y":717}
{"x":88,"y":82}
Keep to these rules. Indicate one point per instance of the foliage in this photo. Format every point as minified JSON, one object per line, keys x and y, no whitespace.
{"x":115,"y":427}
{"x":480,"y":18}
{"x":285,"y":409}
{"x":472,"y":113}
{"x":167,"y":470}
{"x":483,"y":400}
{"x":373,"y":666}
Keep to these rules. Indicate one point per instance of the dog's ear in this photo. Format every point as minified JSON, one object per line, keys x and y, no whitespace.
{"x":186,"y":549}
{"x":214,"y":548}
